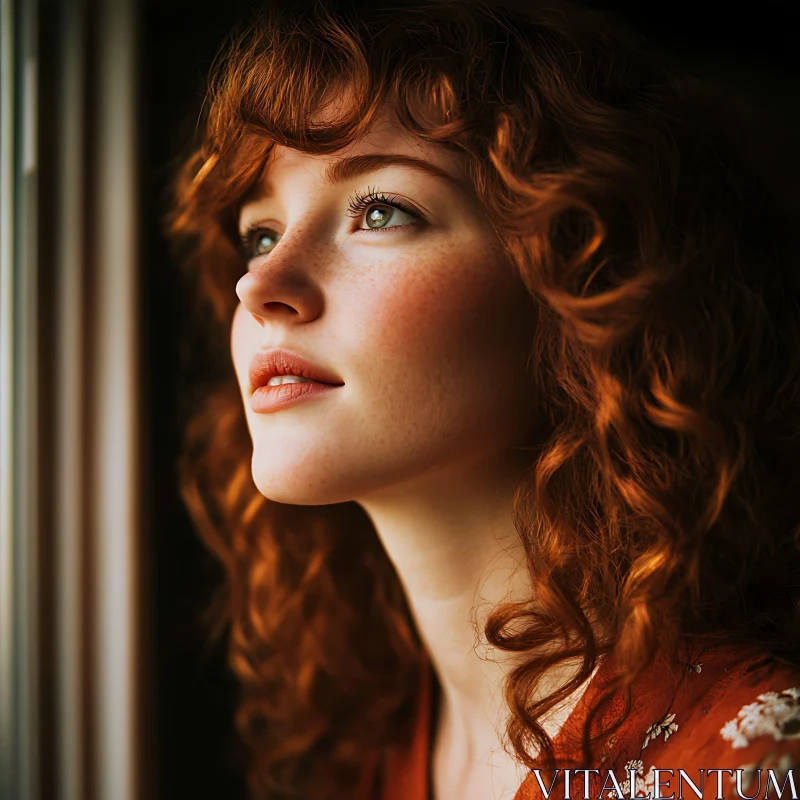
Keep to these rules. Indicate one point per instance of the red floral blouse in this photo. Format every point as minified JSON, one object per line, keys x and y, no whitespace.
{"x":719,"y":722}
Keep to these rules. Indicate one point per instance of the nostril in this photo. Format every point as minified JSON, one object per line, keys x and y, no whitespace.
{"x":276,"y":305}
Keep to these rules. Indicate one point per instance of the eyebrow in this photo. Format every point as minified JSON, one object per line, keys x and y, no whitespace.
{"x":349,"y":167}
{"x":344,"y":169}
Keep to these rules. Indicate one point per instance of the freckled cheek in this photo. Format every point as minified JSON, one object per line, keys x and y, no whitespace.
{"x":445,"y":313}
{"x":406,"y":315}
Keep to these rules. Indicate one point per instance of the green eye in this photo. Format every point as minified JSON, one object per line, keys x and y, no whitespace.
{"x":265,"y":243}
{"x":376,"y":211}
{"x":384,"y":216}
{"x":259,"y":242}
{"x":379,"y":216}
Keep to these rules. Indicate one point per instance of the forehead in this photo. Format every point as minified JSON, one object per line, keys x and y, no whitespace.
{"x":386,"y":138}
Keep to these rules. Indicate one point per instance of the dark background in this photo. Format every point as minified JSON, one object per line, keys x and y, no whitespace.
{"x":750,"y":52}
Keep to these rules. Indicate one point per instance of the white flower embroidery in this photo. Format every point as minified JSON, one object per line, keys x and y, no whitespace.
{"x":650,"y":783}
{"x":643,"y":789}
{"x":664,"y":725}
{"x":774,"y":714}
{"x":637,"y":765}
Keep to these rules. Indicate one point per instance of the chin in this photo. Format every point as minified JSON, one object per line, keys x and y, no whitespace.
{"x":297,"y":484}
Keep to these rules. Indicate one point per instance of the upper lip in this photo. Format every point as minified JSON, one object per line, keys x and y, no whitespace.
{"x":269,"y":363}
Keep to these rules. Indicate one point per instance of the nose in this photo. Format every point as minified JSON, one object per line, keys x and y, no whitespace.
{"x":280,"y":291}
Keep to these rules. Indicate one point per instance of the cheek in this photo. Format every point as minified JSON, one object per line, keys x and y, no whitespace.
{"x":449,"y":311}
{"x":440,"y":357}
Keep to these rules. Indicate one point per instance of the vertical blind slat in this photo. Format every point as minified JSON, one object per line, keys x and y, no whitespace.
{"x":115,"y":391}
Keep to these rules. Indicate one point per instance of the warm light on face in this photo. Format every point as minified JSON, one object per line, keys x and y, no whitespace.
{"x":378,"y":268}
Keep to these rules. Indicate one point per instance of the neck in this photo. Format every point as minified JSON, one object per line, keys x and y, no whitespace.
{"x":452,"y":540}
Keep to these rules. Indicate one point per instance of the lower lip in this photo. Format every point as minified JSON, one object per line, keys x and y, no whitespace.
{"x":266,"y":399}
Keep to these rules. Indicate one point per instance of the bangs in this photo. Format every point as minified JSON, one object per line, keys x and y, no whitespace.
{"x":315,"y":80}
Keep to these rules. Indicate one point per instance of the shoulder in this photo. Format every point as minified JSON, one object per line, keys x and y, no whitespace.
{"x":698,"y":722}
{"x":733,"y":720}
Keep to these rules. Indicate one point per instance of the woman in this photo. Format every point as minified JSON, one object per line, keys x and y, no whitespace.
{"x":504,"y":475}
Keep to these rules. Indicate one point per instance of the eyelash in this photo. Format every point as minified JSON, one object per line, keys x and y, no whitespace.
{"x":357,"y":205}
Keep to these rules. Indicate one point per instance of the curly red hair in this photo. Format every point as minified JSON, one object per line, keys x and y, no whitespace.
{"x":664,"y":502}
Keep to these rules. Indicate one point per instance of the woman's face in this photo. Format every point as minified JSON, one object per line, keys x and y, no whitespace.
{"x":377,"y":265}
